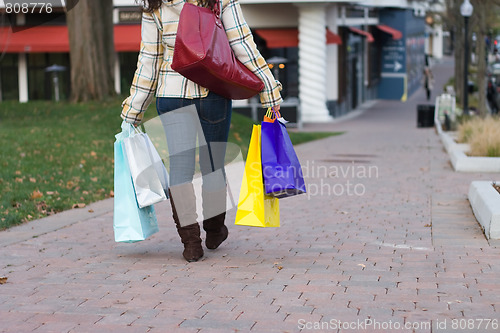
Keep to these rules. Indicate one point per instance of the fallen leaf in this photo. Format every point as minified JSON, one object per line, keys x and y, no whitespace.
{"x":18,"y":172}
{"x":33,"y":180}
{"x":111,"y":194}
{"x":36,"y":194}
{"x":3,"y":279}
{"x":50,"y":192}
{"x":91,"y":210}
{"x":93,"y":153}
{"x":362,"y":265}
{"x":428,"y":225}
{"x":94,"y":179}
{"x":19,"y":180}
{"x":79,"y":205}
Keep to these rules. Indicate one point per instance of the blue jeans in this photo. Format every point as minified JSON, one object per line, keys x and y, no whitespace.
{"x":184,"y":135}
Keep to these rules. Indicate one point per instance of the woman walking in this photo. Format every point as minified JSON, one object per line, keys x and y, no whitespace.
{"x":155,"y":77}
{"x":428,"y":82}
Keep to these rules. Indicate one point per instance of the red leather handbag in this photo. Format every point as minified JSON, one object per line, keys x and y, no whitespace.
{"x":202,"y":54}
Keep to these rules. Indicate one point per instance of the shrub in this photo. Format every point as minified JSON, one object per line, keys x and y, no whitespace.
{"x":483,"y":136}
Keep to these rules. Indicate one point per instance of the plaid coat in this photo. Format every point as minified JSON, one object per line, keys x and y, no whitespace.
{"x":154,"y":76}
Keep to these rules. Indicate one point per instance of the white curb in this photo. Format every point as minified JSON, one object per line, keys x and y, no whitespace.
{"x":485,"y":202}
{"x":462,"y":162}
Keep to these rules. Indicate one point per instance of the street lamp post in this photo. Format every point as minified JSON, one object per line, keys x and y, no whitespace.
{"x":466,"y":11}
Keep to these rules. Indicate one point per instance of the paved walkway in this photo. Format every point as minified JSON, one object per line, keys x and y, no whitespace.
{"x":385,"y":238}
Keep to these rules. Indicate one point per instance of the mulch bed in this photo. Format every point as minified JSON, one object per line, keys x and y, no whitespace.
{"x":497,"y":187}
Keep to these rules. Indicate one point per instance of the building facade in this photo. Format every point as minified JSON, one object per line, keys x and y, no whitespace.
{"x":331,"y":56}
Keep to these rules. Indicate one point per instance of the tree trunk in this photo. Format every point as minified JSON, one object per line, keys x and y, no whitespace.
{"x":480,"y":9}
{"x":456,"y":21}
{"x":92,"y":55}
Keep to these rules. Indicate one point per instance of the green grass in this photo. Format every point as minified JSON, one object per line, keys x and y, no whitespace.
{"x":55,"y":156}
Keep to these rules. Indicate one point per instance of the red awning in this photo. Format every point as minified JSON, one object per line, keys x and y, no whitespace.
{"x":278,"y":38}
{"x":332,"y":38}
{"x":35,"y":40}
{"x":127,"y":38}
{"x":396,"y":34}
{"x":369,"y":37}
{"x":53,"y":39}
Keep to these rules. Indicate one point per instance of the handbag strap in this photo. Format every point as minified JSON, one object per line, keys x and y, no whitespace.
{"x":217,"y":9}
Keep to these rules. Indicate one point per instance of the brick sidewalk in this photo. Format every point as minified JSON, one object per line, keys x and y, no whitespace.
{"x":386,"y":234}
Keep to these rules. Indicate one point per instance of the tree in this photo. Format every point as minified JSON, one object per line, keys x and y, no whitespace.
{"x":481,"y":21}
{"x":92,"y":55}
{"x":455,"y":22}
{"x":480,"y":26}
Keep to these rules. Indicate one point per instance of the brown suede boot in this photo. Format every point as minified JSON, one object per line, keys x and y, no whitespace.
{"x":214,"y":213}
{"x":184,"y":214}
{"x":216,"y":231}
{"x":190,"y":237}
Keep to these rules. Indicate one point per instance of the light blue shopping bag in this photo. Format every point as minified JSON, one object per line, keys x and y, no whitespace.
{"x":130,"y":223}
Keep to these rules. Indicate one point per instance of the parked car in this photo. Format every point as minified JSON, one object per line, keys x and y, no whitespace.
{"x":493,"y":87}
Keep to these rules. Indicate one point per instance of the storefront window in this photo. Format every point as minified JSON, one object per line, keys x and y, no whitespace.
{"x":375,"y":57}
{"x":41,"y":84}
{"x":288,"y":72}
{"x":128,"y":65}
{"x":8,"y":77}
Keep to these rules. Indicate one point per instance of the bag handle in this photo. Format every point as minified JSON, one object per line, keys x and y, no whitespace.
{"x":129,"y":130}
{"x":271,"y":115}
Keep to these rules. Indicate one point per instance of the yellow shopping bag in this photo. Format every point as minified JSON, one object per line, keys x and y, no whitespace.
{"x":256,"y":209}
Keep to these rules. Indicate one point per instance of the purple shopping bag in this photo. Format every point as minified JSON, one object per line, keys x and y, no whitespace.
{"x":281,"y":168}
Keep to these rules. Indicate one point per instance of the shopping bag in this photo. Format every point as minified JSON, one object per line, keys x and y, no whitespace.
{"x":130,"y":223}
{"x":281,"y":168}
{"x":149,"y":175}
{"x":256,"y":209}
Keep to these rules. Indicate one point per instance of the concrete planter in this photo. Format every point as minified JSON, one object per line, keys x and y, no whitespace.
{"x":459,"y":159}
{"x":485,"y":202}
